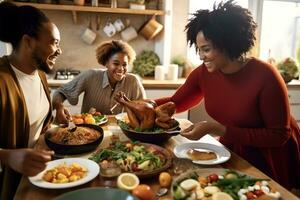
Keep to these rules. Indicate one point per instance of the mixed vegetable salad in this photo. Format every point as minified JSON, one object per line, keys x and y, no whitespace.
{"x":131,"y":156}
{"x":228,"y":186}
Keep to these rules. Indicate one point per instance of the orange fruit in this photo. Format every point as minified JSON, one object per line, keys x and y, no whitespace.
{"x":143,"y":192}
{"x":165,"y":179}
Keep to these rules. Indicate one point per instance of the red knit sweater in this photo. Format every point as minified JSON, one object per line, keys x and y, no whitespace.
{"x":253,"y":105}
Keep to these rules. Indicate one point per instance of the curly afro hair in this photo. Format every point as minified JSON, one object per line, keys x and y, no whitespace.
{"x":228,"y":26}
{"x":109,"y":48}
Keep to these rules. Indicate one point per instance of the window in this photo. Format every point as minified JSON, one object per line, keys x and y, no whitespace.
{"x":278,"y":27}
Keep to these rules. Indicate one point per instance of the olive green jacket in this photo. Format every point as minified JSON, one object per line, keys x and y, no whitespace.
{"x":14,"y":122}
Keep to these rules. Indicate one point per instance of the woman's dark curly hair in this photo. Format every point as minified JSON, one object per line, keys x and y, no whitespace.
{"x":109,"y":48}
{"x":228,"y":26}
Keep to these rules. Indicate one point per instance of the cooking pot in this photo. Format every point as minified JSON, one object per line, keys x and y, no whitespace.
{"x":65,"y":149}
{"x":150,"y":28}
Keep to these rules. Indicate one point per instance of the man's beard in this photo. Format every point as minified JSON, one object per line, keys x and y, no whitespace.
{"x":41,"y":64}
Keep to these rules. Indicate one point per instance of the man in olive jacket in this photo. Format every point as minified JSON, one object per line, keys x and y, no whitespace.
{"x":25,"y":108}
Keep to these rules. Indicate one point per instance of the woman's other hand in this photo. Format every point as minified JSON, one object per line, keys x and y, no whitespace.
{"x":62,"y":115}
{"x":199,"y":129}
{"x":28,"y":162}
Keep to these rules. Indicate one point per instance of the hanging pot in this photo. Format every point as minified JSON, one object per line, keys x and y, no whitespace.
{"x":150,"y":28}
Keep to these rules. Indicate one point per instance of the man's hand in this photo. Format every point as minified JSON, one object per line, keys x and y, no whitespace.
{"x":198,"y":130}
{"x":28,"y":162}
{"x":62,"y":116}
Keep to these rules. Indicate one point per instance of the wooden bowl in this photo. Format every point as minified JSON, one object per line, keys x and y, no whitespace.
{"x":66,"y":149}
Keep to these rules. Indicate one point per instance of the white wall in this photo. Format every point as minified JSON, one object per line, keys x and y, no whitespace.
{"x":4,"y":49}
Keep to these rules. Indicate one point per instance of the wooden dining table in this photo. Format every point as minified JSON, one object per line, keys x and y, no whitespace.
{"x":28,"y":191}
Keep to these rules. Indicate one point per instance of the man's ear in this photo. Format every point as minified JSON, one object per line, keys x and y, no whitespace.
{"x":28,"y":42}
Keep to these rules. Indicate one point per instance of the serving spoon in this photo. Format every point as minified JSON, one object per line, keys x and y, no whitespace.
{"x":161,"y":192}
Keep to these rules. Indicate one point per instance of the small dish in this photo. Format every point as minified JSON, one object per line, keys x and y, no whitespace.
{"x":91,"y":166}
{"x":222,"y":153}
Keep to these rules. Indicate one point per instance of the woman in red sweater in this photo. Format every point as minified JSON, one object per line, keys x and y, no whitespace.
{"x":247,"y":97}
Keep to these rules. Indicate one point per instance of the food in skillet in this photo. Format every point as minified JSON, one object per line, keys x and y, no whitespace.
{"x":82,"y":135}
{"x":229,"y":185}
{"x":145,"y":114}
{"x":64,"y":173}
{"x":131,"y":156}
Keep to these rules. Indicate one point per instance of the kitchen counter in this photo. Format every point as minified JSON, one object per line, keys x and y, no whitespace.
{"x":148,"y":83}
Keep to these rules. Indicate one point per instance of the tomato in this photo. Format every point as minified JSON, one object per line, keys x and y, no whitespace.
{"x":143,"y":192}
{"x":97,"y":114}
{"x":213,"y":178}
{"x":250,"y":195}
{"x":165,"y":179}
{"x":258,"y":192}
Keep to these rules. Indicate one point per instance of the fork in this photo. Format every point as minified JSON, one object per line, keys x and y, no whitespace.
{"x":71,"y":126}
{"x":112,"y":108}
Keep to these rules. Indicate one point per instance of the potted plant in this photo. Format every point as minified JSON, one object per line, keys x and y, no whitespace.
{"x":288,"y":69}
{"x":145,"y":63}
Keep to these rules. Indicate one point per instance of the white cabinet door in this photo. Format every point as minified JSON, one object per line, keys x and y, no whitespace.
{"x":294,"y":98}
{"x":155,"y":94}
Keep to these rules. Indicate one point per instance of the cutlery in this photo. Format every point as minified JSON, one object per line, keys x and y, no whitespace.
{"x":112,"y":108}
{"x":71,"y":126}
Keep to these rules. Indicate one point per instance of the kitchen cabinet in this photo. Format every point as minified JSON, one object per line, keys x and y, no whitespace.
{"x":92,"y":9}
{"x":97,"y":9}
{"x":294,"y":98}
{"x":162,"y":44}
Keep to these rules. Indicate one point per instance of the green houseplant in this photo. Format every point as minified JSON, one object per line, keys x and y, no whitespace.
{"x":288,"y":69}
{"x":145,"y":63}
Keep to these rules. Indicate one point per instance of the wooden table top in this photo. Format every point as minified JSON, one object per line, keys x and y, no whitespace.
{"x":27,"y":191}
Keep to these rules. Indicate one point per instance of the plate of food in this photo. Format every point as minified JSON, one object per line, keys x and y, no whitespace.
{"x":90,"y":118}
{"x":122,"y":117}
{"x":143,"y":159}
{"x":202,"y":153}
{"x":221,"y":184}
{"x":66,"y":173}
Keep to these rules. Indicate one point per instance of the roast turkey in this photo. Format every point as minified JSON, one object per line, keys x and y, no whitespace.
{"x":144,"y":114}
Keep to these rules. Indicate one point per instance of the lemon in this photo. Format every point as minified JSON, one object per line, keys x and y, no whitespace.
{"x":127,"y":181}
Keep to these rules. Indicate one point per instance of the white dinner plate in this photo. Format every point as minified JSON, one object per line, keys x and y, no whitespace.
{"x":121,"y":116}
{"x":91,"y":166}
{"x":103,"y":121}
{"x":222,"y":153}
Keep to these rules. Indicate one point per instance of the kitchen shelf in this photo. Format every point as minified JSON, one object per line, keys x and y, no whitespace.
{"x":92,"y":9}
